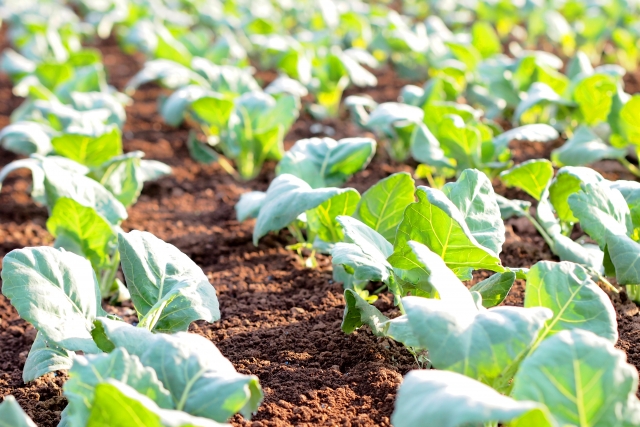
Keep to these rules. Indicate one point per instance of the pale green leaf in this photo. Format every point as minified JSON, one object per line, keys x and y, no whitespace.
{"x":12,"y":415}
{"x":200,"y":379}
{"x":382,"y":206}
{"x":156,"y":273}
{"x":454,"y":400}
{"x":582,"y":379}
{"x":56,"y":291}
{"x":45,"y":357}
{"x":532,"y":176}
{"x":568,"y":181}
{"x":577,"y":301}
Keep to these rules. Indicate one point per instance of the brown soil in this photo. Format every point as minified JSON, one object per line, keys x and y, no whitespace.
{"x":280,"y":321}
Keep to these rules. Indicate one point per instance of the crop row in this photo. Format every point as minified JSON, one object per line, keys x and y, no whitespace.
{"x":551,"y":362}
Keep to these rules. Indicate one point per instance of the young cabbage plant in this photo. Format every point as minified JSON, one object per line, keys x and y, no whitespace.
{"x":391,"y":121}
{"x":461,"y":224}
{"x":256,"y":129}
{"x":325,"y":162}
{"x":58,"y":292}
{"x":309,"y":214}
{"x":333,"y":70}
{"x":403,"y":46}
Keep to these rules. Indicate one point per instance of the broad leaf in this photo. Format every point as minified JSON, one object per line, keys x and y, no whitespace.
{"x":532,"y":176}
{"x":12,"y":415}
{"x":600,"y":208}
{"x":534,"y":133}
{"x":89,"y":372}
{"x":78,"y":227}
{"x":495,"y":288}
{"x":249,"y":205}
{"x":57,"y":292}
{"x":286,"y":198}
{"x":577,"y":301}
{"x":322,"y":221}
{"x":568,"y":181}
{"x":45,"y":357}
{"x":624,"y":255}
{"x":582,"y":379}
{"x":474,"y":197}
{"x":426,"y":149}
{"x":382,"y":206}
{"x":584,"y":148}
{"x":594,"y":97}
{"x":485,"y":345}
{"x":325,"y":162}
{"x":437,"y":223}
{"x":118,"y":405}
{"x":89,"y":150}
{"x":455,"y":400}
{"x":201,"y":381}
{"x":27,"y":138}
{"x":158,"y":273}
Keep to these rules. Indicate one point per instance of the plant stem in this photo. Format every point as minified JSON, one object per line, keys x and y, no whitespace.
{"x":109,"y":275}
{"x":604,"y":280}
{"x":541,"y":230}
{"x":630,"y":166}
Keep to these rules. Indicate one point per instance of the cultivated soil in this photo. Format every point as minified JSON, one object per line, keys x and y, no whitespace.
{"x":280,"y":321}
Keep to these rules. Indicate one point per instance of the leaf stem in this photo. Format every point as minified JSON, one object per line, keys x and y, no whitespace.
{"x":548,"y":239}
{"x":109,"y":275}
{"x":630,"y":166}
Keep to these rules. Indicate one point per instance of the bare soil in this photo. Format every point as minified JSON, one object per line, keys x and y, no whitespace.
{"x":280,"y":321}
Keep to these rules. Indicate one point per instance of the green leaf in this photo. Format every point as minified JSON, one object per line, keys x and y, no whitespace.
{"x":76,"y":226}
{"x":27,"y":138}
{"x":426,"y":149}
{"x":365,"y":253}
{"x":485,"y":39}
{"x":322,"y":221}
{"x":600,"y":208}
{"x":455,"y":400}
{"x":200,"y":151}
{"x":594,"y":97}
{"x":175,"y":106}
{"x":535,"y":133}
{"x":325,"y":162}
{"x":123,"y":176}
{"x":539,"y":94}
{"x":249,"y":205}
{"x":382,"y":206}
{"x":568,"y":181}
{"x":472,"y":342}
{"x":12,"y":415}
{"x":89,"y":150}
{"x":158,"y":273}
{"x":213,"y":110}
{"x":460,"y":141}
{"x":582,"y":379}
{"x":201,"y":381}
{"x":628,"y":120}
{"x":57,"y":292}
{"x":438,"y":224}
{"x":587,"y":255}
{"x":118,"y":405}
{"x":577,"y":301}
{"x":624,"y":254}
{"x":60,"y":182}
{"x":45,"y":357}
{"x":474,"y":197}
{"x":286,"y":198}
{"x":532,"y":176}
{"x":584,"y":148}
{"x":52,"y":75}
{"x":495,"y":288}
{"x":89,"y":372}
{"x":358,"y":312}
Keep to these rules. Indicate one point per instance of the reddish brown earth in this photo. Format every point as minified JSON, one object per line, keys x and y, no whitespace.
{"x":280,"y":321}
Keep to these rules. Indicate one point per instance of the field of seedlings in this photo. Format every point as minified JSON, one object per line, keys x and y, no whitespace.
{"x":273,"y":213}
